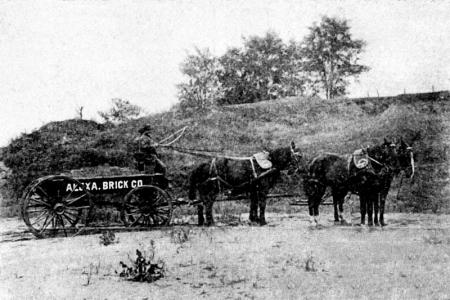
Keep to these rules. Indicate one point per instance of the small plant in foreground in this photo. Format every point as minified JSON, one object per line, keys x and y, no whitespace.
{"x":142,"y":269}
{"x":310,"y":263}
{"x":180,"y":235}
{"x":108,"y":237}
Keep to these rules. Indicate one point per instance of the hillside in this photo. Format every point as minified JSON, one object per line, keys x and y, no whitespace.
{"x":340,"y":126}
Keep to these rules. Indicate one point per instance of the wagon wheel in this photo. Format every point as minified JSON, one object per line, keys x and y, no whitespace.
{"x":54,"y":203}
{"x":147,"y":206}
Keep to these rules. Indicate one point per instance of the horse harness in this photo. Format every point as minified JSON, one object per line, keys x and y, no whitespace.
{"x":214,"y":174}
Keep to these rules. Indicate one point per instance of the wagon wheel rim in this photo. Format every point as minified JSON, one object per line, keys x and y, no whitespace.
{"x":48,"y":206}
{"x":147,"y":206}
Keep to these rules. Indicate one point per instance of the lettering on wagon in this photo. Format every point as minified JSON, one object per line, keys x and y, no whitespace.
{"x":105,"y":185}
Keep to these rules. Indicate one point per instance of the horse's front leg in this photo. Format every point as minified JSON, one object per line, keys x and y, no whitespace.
{"x":201,"y":218}
{"x":262,"y":208}
{"x":253,"y":216}
{"x":382,"y":204}
{"x":362,"y":207}
{"x":370,"y":203}
{"x":208,"y":201}
{"x":376,"y":208}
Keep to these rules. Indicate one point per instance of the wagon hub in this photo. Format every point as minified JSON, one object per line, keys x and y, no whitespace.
{"x":59,"y":209}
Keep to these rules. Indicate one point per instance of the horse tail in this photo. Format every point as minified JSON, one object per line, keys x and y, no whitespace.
{"x":193,"y":185}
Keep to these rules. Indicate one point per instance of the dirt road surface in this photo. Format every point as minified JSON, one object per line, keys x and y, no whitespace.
{"x":287,"y":259}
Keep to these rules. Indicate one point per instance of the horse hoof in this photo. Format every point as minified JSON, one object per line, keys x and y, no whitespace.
{"x":370,"y":224}
{"x":262,"y":223}
{"x":383,"y":224}
{"x":337,"y":222}
{"x":377,"y":224}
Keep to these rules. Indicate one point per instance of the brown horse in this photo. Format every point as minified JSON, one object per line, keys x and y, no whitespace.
{"x":343,"y":175}
{"x":239,"y":176}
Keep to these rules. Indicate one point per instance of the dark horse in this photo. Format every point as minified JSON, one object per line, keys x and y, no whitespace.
{"x":374,"y":184}
{"x":240,"y":175}
{"x":343,"y":175}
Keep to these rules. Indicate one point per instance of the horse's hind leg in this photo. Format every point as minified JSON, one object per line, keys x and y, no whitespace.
{"x":314,"y":190}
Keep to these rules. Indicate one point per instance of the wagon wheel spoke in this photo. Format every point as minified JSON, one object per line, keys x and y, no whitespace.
{"x":41,"y":202}
{"x":61,"y":221}
{"x":70,"y":220}
{"x":51,"y":221}
{"x":40,"y":217}
{"x":136,"y":221}
{"x":39,"y":188}
{"x":72,"y":201}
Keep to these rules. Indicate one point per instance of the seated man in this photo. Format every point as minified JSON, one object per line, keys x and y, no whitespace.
{"x":147,"y":158}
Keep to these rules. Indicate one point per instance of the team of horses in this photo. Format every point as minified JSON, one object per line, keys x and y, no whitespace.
{"x":368,"y":175}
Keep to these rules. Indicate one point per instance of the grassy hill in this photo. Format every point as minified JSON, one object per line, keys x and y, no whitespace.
{"x":316,"y":125}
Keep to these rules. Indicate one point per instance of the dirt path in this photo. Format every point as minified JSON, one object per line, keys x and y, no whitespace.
{"x":288,"y":259}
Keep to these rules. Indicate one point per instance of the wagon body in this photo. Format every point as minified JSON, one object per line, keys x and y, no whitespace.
{"x":61,"y":203}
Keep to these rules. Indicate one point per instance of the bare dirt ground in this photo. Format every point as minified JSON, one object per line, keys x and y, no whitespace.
{"x":287,"y":259}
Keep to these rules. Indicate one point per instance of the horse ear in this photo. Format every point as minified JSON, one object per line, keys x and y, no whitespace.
{"x":292,"y":145}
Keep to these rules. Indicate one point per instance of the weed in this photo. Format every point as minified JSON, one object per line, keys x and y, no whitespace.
{"x":89,"y":271}
{"x":180,"y":235}
{"x":310,"y":263}
{"x":143,"y":269}
{"x":107,"y":238}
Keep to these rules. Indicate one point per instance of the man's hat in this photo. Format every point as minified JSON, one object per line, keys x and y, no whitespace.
{"x":145,"y":129}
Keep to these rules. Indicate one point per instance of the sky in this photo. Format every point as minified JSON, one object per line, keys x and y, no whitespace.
{"x":56,"y":56}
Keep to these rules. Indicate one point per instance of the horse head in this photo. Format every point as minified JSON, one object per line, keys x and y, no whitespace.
{"x":384,"y":156}
{"x":286,"y":158}
{"x":406,"y":158}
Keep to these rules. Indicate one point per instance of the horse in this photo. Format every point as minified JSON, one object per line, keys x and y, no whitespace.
{"x":343,"y":175}
{"x":375,"y":187}
{"x":239,"y":175}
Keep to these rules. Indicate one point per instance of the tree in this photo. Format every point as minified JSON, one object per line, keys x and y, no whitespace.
{"x":331,"y":56}
{"x":203,"y":88}
{"x":121,"y":111}
{"x":263,"y":69}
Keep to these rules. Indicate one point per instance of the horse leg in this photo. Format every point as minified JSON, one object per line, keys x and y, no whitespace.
{"x":208,"y":202}
{"x":382,"y":203}
{"x":314,"y":190}
{"x":362,"y":208}
{"x":253,"y":217}
{"x":335,"y":206}
{"x":201,"y":218}
{"x":262,"y":208}
{"x":375,"y":209}
{"x":338,"y":200}
{"x":369,"y":204}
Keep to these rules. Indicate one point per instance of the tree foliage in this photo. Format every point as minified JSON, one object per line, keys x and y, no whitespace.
{"x":203,"y":88}
{"x":331,"y":56}
{"x":121,"y":111}
{"x":265,"y":68}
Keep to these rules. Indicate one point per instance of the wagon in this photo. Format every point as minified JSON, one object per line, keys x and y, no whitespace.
{"x":59,"y":203}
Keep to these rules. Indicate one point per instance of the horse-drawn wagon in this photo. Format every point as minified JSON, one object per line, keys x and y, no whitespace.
{"x":62,"y":203}
{"x":58,"y":202}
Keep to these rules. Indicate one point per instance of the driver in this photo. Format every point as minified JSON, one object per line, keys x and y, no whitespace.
{"x":149,"y":157}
